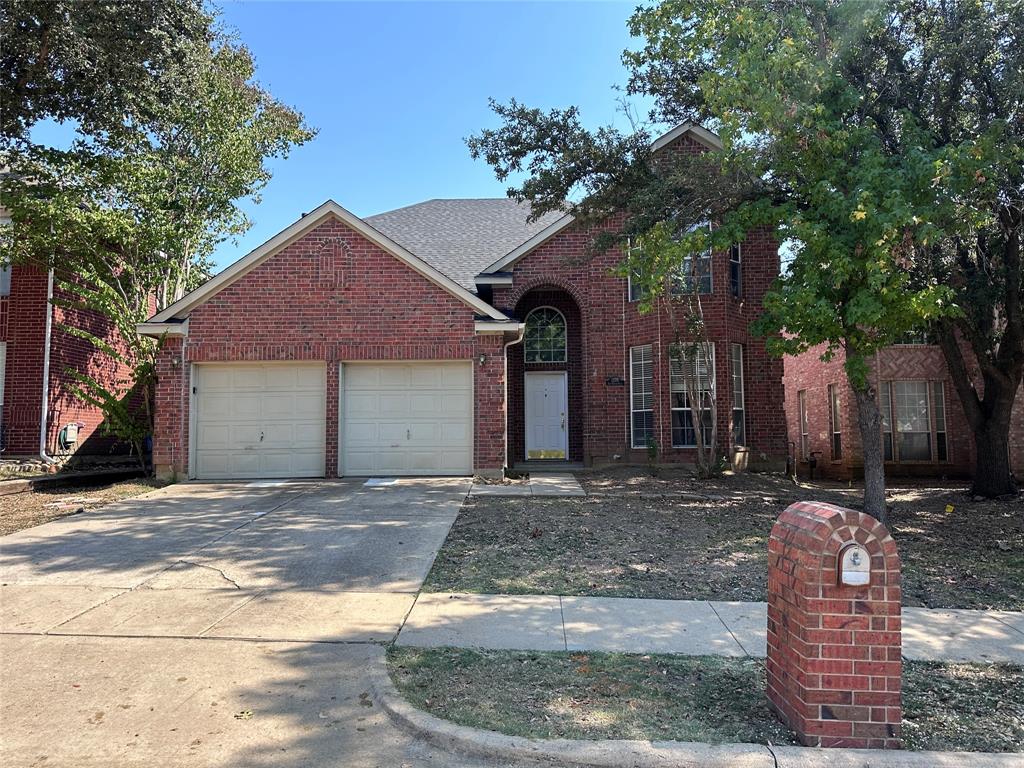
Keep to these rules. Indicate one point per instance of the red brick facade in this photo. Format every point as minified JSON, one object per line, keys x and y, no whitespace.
{"x":330,"y":296}
{"x":561,"y":273}
{"x":834,"y":650}
{"x":23,"y":330}
{"x":335,"y":294}
{"x":807,"y":373}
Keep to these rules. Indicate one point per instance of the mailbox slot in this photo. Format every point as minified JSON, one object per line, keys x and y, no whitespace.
{"x":854,"y":566}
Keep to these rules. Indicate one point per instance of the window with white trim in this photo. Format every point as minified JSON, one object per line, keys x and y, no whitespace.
{"x":736,"y":271}
{"x":694,"y":273}
{"x":641,"y":395}
{"x":834,"y":424}
{"x":634,"y":250}
{"x":545,"y":338}
{"x":739,"y":427}
{"x":913,"y":421}
{"x":691,"y":360}
{"x":805,"y":434}
{"x":5,"y":280}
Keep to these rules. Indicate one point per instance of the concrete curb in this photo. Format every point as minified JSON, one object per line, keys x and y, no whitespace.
{"x":475,"y":742}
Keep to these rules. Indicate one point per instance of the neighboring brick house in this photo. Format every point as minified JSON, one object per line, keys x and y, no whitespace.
{"x":451,"y":337}
{"x":34,"y":346}
{"x":925,"y":432}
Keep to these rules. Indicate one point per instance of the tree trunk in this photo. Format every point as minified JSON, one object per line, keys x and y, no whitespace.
{"x":992,"y":473}
{"x":989,"y":417}
{"x":869,"y":419}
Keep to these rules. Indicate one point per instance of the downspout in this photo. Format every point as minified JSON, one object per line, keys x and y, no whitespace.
{"x":517,"y":340}
{"x":43,"y":420}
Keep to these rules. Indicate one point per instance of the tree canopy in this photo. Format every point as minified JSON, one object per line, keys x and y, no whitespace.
{"x":871,"y":137}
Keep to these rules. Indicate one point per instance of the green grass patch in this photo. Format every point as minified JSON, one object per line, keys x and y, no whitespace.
{"x":591,"y":695}
{"x":949,"y":707}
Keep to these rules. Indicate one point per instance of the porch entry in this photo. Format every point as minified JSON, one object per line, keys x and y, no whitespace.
{"x":547,"y":426}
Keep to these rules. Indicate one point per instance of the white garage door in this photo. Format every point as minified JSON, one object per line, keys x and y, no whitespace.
{"x":407,"y":418}
{"x":260,"y":420}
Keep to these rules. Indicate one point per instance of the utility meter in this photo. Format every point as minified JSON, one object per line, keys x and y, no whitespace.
{"x":854,"y":566}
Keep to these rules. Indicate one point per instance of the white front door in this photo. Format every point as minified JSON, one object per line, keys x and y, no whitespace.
{"x":547,"y":432}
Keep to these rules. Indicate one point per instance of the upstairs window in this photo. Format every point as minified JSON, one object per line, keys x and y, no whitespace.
{"x":736,"y":271}
{"x":694,"y":275}
{"x":5,"y":280}
{"x":545,"y":337}
{"x":634,"y":285}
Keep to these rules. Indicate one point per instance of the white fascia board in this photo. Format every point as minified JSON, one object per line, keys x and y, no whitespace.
{"x":157,"y":330}
{"x":702,"y":135}
{"x":502,"y":279}
{"x":492,"y":326}
{"x":278,"y":242}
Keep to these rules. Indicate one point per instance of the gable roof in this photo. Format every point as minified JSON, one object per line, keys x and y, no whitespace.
{"x":460,"y":237}
{"x":696,"y":132}
{"x":179,"y":310}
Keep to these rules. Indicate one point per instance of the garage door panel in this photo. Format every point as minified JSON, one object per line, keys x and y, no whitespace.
{"x":393,"y":377}
{"x":407,"y":418}
{"x":393,"y":403}
{"x":260,"y":420}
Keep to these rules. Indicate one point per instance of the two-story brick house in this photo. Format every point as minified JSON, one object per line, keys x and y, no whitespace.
{"x":40,"y":416}
{"x":452,"y":337}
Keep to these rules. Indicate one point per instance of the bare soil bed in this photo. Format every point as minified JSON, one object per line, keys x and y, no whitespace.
{"x":675,"y":537}
{"x":25,"y":510}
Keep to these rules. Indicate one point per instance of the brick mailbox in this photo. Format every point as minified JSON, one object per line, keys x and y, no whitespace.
{"x":834,"y":642}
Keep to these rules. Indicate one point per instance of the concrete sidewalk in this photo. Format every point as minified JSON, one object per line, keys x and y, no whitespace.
{"x":539,"y":484}
{"x":558,"y":623}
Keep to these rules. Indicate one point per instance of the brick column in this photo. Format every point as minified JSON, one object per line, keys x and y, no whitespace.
{"x":834,"y":650}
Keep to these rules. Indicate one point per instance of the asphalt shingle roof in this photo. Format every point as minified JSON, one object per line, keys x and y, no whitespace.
{"x":460,"y":238}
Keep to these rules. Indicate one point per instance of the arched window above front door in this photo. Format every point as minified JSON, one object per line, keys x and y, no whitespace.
{"x":545,"y":338}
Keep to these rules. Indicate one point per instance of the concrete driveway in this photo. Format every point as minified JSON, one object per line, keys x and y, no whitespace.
{"x":215,"y":624}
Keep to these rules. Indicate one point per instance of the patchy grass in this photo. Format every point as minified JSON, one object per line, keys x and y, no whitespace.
{"x":641,"y":537}
{"x":955,"y":707}
{"x":26,"y":510}
{"x":591,"y":696}
{"x":971,"y":707}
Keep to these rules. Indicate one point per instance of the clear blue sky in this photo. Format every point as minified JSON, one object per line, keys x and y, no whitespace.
{"x":394,"y":88}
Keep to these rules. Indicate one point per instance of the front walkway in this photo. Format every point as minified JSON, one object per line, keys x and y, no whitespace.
{"x":539,"y":484}
{"x":558,"y":623}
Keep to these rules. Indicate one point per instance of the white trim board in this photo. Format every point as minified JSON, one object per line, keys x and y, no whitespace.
{"x":184,"y":305}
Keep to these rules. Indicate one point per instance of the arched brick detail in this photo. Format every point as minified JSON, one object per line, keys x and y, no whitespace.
{"x":334,"y":264}
{"x":520,"y":290}
{"x":546,"y":294}
{"x":834,"y":651}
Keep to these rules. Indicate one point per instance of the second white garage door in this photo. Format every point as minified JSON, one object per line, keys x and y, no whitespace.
{"x":259,"y":420}
{"x":407,"y":418}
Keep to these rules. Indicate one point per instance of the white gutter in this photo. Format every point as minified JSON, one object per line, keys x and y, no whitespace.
{"x":46,"y":372}
{"x":519,"y":337}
